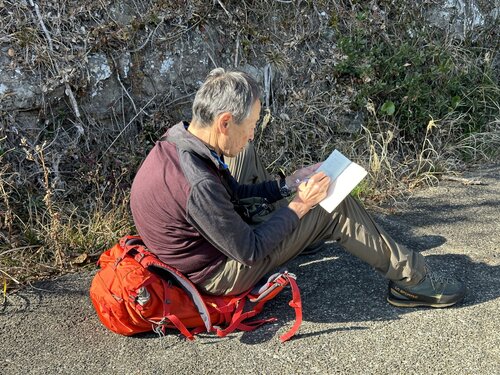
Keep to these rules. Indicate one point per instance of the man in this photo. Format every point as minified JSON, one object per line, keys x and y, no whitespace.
{"x":186,"y":205}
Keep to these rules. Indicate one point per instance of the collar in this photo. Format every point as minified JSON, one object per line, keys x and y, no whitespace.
{"x":179,"y":135}
{"x":219,"y":159}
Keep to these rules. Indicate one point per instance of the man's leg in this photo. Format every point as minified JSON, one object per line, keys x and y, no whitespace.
{"x":351,"y":226}
{"x":356,"y":231}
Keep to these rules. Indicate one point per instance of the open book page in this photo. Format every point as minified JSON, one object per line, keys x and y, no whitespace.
{"x":334,"y":165}
{"x":345,"y":175}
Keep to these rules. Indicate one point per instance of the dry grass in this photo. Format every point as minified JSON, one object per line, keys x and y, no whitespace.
{"x":64,"y":179}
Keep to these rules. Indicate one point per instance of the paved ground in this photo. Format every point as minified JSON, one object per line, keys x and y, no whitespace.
{"x":348,"y":328}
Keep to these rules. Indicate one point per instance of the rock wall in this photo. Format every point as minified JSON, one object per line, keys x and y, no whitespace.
{"x":114,"y":60}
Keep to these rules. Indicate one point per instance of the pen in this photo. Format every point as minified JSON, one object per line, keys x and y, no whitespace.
{"x":298,"y":181}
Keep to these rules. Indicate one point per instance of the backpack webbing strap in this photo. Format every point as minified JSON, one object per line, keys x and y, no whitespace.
{"x":181,"y":327}
{"x":166,"y":312}
{"x":173,"y":318}
{"x":296,"y":303}
{"x":238,"y":319}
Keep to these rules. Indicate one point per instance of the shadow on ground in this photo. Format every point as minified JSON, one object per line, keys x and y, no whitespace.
{"x":338,"y":288}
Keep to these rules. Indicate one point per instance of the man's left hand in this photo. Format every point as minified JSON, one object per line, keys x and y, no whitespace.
{"x":300,"y":175}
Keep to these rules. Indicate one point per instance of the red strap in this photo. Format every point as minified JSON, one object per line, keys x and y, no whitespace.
{"x":180,"y":326}
{"x":171,"y":317}
{"x":174,"y":319}
{"x":296,"y":303}
{"x":237,"y":318}
{"x":141,"y":252}
{"x":274,"y":288}
{"x":225,"y":309}
{"x":229,"y":308}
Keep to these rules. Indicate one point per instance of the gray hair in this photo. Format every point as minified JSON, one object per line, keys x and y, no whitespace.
{"x":231,"y":91}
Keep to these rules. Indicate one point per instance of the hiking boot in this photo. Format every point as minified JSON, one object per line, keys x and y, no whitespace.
{"x":313,"y":248}
{"x":433,"y":291}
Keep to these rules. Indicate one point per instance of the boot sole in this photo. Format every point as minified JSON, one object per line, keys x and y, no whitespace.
{"x":400,"y":303}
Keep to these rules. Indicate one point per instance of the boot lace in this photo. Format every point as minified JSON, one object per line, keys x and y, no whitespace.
{"x":438,"y":281}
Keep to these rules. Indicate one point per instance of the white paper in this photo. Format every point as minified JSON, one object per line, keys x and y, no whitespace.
{"x":344,"y":175}
{"x":334,"y":165}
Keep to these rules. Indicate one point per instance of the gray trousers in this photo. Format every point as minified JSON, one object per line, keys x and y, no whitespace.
{"x":349,"y":224}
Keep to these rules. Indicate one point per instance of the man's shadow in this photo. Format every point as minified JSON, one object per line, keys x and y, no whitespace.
{"x":336,"y":287}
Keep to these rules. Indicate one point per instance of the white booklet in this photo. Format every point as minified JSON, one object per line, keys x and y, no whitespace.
{"x":344,"y":174}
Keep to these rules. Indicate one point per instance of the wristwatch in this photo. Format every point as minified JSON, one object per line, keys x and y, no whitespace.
{"x":284,"y":189}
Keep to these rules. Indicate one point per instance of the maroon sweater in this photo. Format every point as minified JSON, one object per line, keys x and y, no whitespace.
{"x":184,"y":213}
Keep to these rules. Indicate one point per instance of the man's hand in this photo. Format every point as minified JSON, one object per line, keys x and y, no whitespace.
{"x":300,"y":175}
{"x":310,"y":193}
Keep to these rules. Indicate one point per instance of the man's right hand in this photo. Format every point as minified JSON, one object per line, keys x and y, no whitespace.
{"x":310,"y":193}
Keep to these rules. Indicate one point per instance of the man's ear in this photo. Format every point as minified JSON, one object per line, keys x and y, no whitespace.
{"x":223,"y":121}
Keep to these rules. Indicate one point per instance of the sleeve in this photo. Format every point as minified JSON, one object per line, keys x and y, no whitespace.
{"x":267,"y":189}
{"x":211,"y":212}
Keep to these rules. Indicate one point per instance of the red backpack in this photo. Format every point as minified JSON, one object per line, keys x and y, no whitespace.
{"x":135,"y":292}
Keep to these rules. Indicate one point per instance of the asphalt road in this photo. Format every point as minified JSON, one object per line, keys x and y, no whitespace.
{"x":348,"y":326}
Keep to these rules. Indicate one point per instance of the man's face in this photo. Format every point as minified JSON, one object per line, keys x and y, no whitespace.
{"x":239,"y":134}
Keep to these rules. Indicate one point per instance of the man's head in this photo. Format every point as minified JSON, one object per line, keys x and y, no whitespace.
{"x":228,"y":106}
{"x":234,"y":92}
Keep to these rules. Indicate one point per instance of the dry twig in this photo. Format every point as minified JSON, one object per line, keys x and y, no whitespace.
{"x":464,"y":181}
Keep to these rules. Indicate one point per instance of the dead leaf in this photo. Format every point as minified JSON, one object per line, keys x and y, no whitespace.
{"x":266,"y":119}
{"x":80,"y":259}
